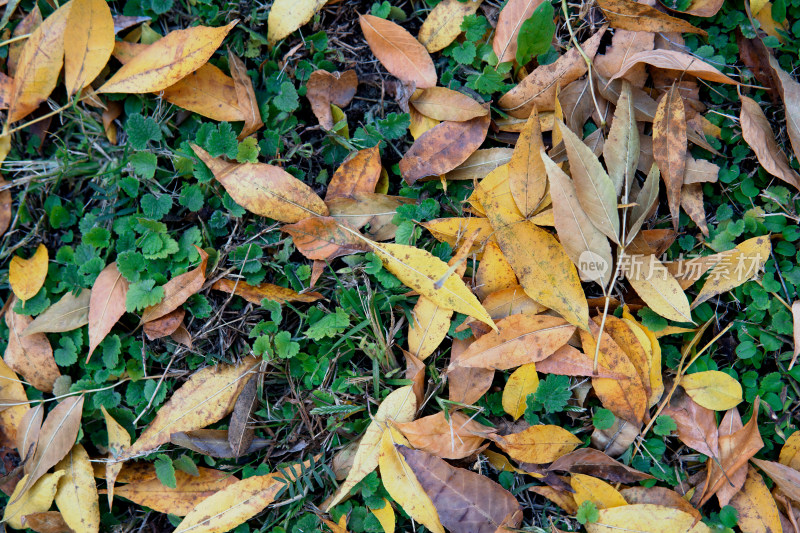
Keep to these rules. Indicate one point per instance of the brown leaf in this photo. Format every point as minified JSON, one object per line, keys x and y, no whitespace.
{"x":56,"y":438}
{"x":480,"y":163}
{"x":513,"y":14}
{"x":245,"y":95}
{"x":358,"y":173}
{"x":443,"y":148}
{"x":27,"y":25}
{"x":323,"y":238}
{"x":30,"y":356}
{"x":700,"y":171}
{"x":213,"y":442}
{"x":440,"y":103}
{"x":539,"y":87}
{"x":594,"y":462}
{"x":265,"y":190}
{"x":106,"y":305}
{"x":616,"y":439}
{"x":790,"y":92}
{"x":623,"y":44}
{"x":178,"y":290}
{"x":756,"y":57}
{"x":240,"y":436}
{"x":377,"y":210}
{"x":696,"y":425}
{"x":520,"y":339}
{"x":669,"y":147}
{"x":255,"y":293}
{"x":324,"y":88}
{"x":415,"y":371}
{"x":46,"y":522}
{"x":659,"y":496}
{"x":456,"y":438}
{"x":757,"y":132}
{"x":632,"y":16}
{"x":467,"y":385}
{"x":467,"y":502}
{"x":756,"y":507}
{"x":28,"y":431}
{"x":166,"y":325}
{"x":67,"y":314}
{"x":569,"y":361}
{"x":397,"y":50}
{"x":692,"y":203}
{"x":786,"y":478}
{"x":672,"y":60}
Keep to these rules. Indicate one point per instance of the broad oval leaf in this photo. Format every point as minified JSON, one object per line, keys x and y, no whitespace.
{"x":324,"y":88}
{"x":441,"y":103}
{"x":31,"y":356}
{"x":76,"y":497}
{"x":397,"y":50}
{"x":538,"y":444}
{"x":106,"y":304}
{"x":286,"y":16}
{"x":27,"y":499}
{"x":454,"y":437}
{"x":443,"y":23}
{"x":26,"y":276}
{"x":428,"y":329}
{"x":118,"y":441}
{"x":359,"y":173}
{"x":90,"y":35}
{"x":597,"y":491}
{"x":522,"y":382}
{"x":713,"y":389}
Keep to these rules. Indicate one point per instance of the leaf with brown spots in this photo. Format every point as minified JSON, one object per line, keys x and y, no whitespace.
{"x":324,"y":238}
{"x":453,"y":438}
{"x":30,"y":356}
{"x":670,"y":145}
{"x":629,"y":15}
{"x":255,"y":293}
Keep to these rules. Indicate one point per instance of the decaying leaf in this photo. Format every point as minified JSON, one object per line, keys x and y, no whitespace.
{"x":755,"y":505}
{"x":526,"y":170}
{"x":359,"y":173}
{"x":324,"y":238}
{"x":118,"y":441}
{"x":106,"y":304}
{"x":673,"y":60}
{"x":453,"y":437}
{"x":646,"y":518}
{"x":596,"y":463}
{"x":443,"y":23}
{"x":29,"y":498}
{"x":245,"y":95}
{"x":31,"y":355}
{"x":738,"y":266}
{"x":670,"y":145}
{"x":629,"y":15}
{"x":324,"y":88}
{"x":398,"y":51}
{"x":657,"y":287}
{"x":256,"y":293}
{"x":597,"y":491}
{"x":240,"y":432}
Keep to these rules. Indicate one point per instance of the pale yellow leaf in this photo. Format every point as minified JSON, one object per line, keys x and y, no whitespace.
{"x":713,"y":389}
{"x":521,"y":382}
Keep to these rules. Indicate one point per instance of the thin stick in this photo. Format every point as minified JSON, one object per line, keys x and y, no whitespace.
{"x":15,"y":39}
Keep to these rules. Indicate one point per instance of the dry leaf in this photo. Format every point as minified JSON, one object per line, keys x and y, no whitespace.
{"x":670,"y":145}
{"x":513,"y":14}
{"x":467,"y":385}
{"x":736,"y":267}
{"x":656,"y":286}
{"x":673,"y":60}
{"x":713,"y":389}
{"x":466,"y":502}
{"x":480,"y":163}
{"x":165,"y":325}
{"x":26,"y":276}
{"x":256,"y":293}
{"x":245,"y":96}
{"x":12,"y":416}
{"x":692,"y":203}
{"x":240,"y":436}
{"x":178,"y":290}
{"x":598,"y":464}
{"x":118,"y":441}
{"x":538,"y":444}
{"x":286,"y":16}
{"x":207,"y":397}
{"x":646,"y":202}
{"x":265,"y":190}
{"x":212,"y":442}
{"x":659,"y":496}
{"x":24,"y":502}
{"x":621,"y":149}
{"x":428,"y":329}
{"x":568,"y":361}
{"x":76,"y":497}
{"x":90,"y":34}
{"x":324,"y":88}
{"x":324,"y":238}
{"x":167,"y":61}
{"x":397,"y":50}
{"x":440,"y":103}
{"x":646,"y":518}
{"x":623,"y":44}
{"x":377,"y":210}
{"x":31,"y":356}
{"x":28,"y":430}
{"x":591,"y":489}
{"x":697,"y":425}
{"x":757,"y":132}
{"x":787,"y":479}
{"x":385,"y":516}
{"x":494,"y":273}
{"x":755,"y":506}
{"x":522,"y":382}
{"x":454,"y":230}
{"x":26,"y":26}
{"x":790,"y":452}
{"x":629,"y":15}
{"x":454,"y":438}
{"x":46,"y":522}
{"x":443,"y":23}
{"x":106,"y":304}
{"x":359,"y":173}
{"x":70,"y":312}
{"x":443,"y":148}
{"x":526,"y":170}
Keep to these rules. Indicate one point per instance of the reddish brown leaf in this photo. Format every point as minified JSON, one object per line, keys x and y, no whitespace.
{"x":757,"y":132}
{"x":659,"y":496}
{"x":595,"y":463}
{"x":399,"y":51}
{"x":669,"y":147}
{"x":358,"y":173}
{"x":786,"y":478}
{"x":255,"y":293}
{"x":569,"y":361}
{"x":324,"y":88}
{"x":166,"y":325}
{"x":46,"y":522}
{"x":696,"y":425}
{"x":106,"y":305}
{"x":467,"y":385}
{"x":456,"y":438}
{"x":245,"y":95}
{"x":633,"y":16}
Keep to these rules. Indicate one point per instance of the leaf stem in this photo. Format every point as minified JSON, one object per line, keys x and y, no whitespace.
{"x":586,"y":59}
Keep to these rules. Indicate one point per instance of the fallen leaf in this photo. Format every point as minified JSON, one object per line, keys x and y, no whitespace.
{"x":397,"y":50}
{"x":46,"y":522}
{"x":454,"y":438}
{"x":697,"y":425}
{"x":692,"y":203}
{"x":165,"y":325}
{"x":385,"y":516}
{"x":256,"y":293}
{"x":538,"y":444}
{"x":178,"y":290}
{"x":324,"y":238}
{"x":621,"y":149}
{"x":790,"y":93}
{"x":659,"y":496}
{"x":646,"y":201}
{"x":522,"y":382}
{"x":245,"y":96}
{"x":440,"y":103}
{"x":480,"y":163}
{"x":24,"y":501}
{"x":359,"y":173}
{"x":212,"y":442}
{"x":646,"y":518}
{"x":399,"y":406}
{"x":755,"y":506}
{"x":324,"y":88}
{"x":713,"y":389}
{"x":526,"y":170}
{"x":569,"y":361}
{"x":596,"y":463}
{"x":467,"y":385}
{"x":69,"y":313}
{"x":240,"y":433}
{"x":790,"y":452}
{"x":30,"y":356}
{"x":561,"y":498}
{"x":28,"y":430}
{"x":787,"y":479}
{"x":167,"y":61}
{"x":118,"y":441}
{"x":189,"y":491}
{"x":670,"y":145}
{"x":106,"y":304}
{"x":454,"y":230}
{"x":429,"y":327}
{"x":465,"y":501}
{"x":700,"y":171}
{"x":415,"y":371}
{"x":443,"y":23}
{"x":39,"y":64}
{"x":623,"y":44}
{"x":76,"y":497}
{"x":738,"y":266}
{"x":90,"y":34}
{"x":757,"y":133}
{"x":26,"y":26}
{"x":494,"y":273}
{"x":673,"y":60}
{"x":206,"y":397}
{"x":629,"y":15}
{"x":513,"y":14}
{"x":656,"y":286}
{"x":539,"y":87}
{"x":419,"y":123}
{"x":26,"y":276}
{"x":286,"y":16}
{"x":511,"y":301}
{"x":443,"y":148}
{"x":402,"y":484}
{"x":56,"y":438}
{"x":597,"y":491}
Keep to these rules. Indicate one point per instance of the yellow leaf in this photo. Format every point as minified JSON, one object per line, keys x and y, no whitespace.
{"x":443,"y":23}
{"x":736,"y":267}
{"x":12,"y":391}
{"x":37,"y":499}
{"x":652,"y":347}
{"x":646,"y":518}
{"x":713,"y":389}
{"x":421,"y":271}
{"x":597,"y":491}
{"x":526,"y":172}
{"x":119,"y":440}
{"x":755,"y":505}
{"x":286,"y":16}
{"x":428,"y":329}
{"x":27,"y":276}
{"x":657,"y":287}
{"x":521,"y":382}
{"x":76,"y":497}
{"x":494,"y":272}
{"x":403,"y":486}
{"x":205,"y":398}
{"x":538,"y":444}
{"x":385,"y":516}
{"x":454,"y":230}
{"x":168,"y":60}
{"x":399,"y":406}
{"x":790,"y":453}
{"x":90,"y":35}
{"x":419,"y":123}
{"x":39,"y":65}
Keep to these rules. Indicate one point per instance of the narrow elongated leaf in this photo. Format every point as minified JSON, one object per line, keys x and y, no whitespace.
{"x":207,"y":397}
{"x":76,"y":497}
{"x":514,"y":13}
{"x":629,"y":15}
{"x":70,"y":312}
{"x":443,"y":23}
{"x":106,"y":304}
{"x":397,"y":50}
{"x":670,"y":145}
{"x":178,"y":290}
{"x":757,"y":132}
{"x":526,"y":170}
{"x":787,"y":479}
{"x":26,"y":276}
{"x":256,"y":293}
{"x":755,"y":505}
{"x":646,"y":518}
{"x":28,"y":431}
{"x":480,"y":163}
{"x":168,"y":60}
{"x":31,"y":356}
{"x":90,"y":34}
{"x":621,"y":149}
{"x":359,"y":173}
{"x":246,"y":96}
{"x":596,"y":463}
{"x":790,"y":92}
{"x":240,"y":433}
{"x":286,"y":16}
{"x":671,"y":59}
{"x":212,"y":442}
{"x":740,"y":265}
{"x":645,"y":201}
{"x":118,"y":441}
{"x":466,"y":502}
